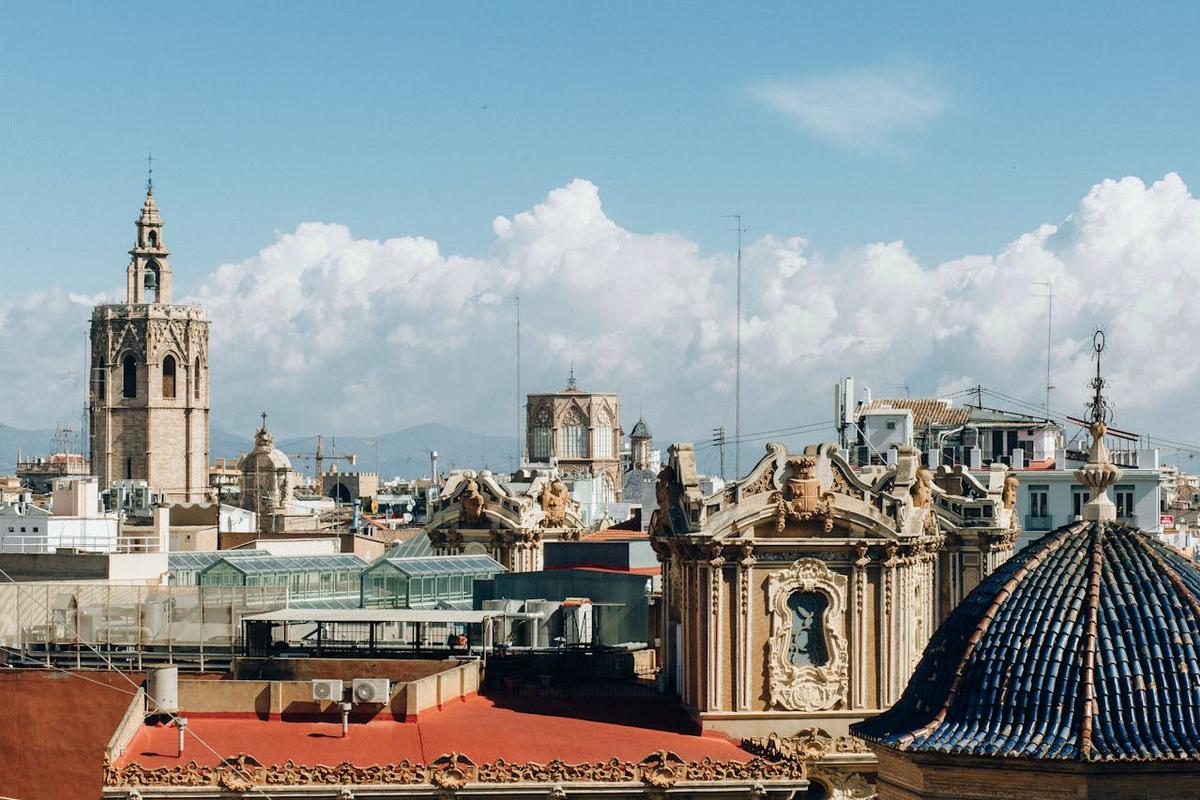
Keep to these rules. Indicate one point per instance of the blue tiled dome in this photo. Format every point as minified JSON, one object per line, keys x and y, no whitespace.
{"x":1084,"y":646}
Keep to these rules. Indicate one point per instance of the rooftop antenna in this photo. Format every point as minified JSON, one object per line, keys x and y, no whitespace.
{"x":737,"y":358}
{"x":520,"y":399}
{"x":1049,"y":340}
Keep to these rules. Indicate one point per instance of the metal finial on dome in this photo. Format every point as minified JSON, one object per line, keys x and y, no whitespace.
{"x":1099,"y":473}
{"x":572,"y":385}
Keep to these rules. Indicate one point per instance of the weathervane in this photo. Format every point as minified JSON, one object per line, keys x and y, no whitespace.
{"x":1098,"y":408}
{"x":1099,"y":473}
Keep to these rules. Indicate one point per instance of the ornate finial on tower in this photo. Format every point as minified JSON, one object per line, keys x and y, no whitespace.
{"x":1099,"y":473}
{"x":572,"y":386}
{"x":264,"y":438}
{"x":149,"y":172}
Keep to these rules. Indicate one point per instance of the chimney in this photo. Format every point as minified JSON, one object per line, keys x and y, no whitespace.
{"x":161,"y":516}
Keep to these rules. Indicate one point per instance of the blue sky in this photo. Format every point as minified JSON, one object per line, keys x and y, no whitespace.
{"x":432,"y":119}
{"x":394,"y":173}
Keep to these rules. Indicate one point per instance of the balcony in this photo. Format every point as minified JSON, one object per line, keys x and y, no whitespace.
{"x":1038,"y":523}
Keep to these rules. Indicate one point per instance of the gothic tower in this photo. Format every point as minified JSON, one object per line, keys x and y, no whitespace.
{"x":149,"y":377}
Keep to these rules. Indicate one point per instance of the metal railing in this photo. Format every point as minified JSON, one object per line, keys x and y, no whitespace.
{"x":1038,"y":523}
{"x":40,"y":543}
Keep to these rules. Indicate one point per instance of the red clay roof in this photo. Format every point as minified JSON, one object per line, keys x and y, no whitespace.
{"x":615,"y":534}
{"x":925,"y":411}
{"x":482,"y":728}
{"x":53,"y":730}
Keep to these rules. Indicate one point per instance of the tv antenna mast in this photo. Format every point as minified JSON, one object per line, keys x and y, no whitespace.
{"x":1049,"y":340}
{"x":737,"y":358}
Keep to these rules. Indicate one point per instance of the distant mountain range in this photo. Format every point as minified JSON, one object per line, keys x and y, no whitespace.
{"x":403,"y":453}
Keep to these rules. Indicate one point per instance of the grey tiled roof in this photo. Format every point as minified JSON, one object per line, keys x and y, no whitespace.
{"x":1084,"y":646}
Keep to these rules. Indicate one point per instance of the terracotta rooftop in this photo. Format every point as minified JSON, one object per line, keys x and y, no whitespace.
{"x":925,"y":411}
{"x":614,"y":534}
{"x":51,"y":750}
{"x":481,"y":728}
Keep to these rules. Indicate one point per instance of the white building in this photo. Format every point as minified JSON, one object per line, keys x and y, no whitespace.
{"x":76,"y":520}
{"x":1049,"y":498}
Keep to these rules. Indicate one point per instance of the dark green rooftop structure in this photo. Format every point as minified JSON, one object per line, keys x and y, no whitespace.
{"x":426,"y":582}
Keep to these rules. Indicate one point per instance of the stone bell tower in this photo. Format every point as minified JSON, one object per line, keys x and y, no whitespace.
{"x":149,"y":377}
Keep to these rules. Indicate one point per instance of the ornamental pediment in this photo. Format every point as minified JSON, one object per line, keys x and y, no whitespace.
{"x":480,"y":500}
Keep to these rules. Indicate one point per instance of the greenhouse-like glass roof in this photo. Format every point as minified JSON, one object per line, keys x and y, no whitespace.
{"x":443,"y":565}
{"x":416,"y":545}
{"x":299,"y":563}
{"x":200,"y":559}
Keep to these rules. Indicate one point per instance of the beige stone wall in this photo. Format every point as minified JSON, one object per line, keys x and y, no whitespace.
{"x":949,"y":778}
{"x":164,"y":440}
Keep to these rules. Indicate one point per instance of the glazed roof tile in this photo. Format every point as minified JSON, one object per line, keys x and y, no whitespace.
{"x":1084,"y":646}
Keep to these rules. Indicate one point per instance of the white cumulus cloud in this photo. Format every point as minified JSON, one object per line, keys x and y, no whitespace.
{"x":860,"y":109}
{"x":332,"y":332}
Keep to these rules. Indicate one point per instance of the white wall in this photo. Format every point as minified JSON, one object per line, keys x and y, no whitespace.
{"x":879,"y":436}
{"x":1060,"y":483}
{"x":295,"y":547}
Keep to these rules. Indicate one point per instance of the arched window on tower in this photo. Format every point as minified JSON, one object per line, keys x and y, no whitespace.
{"x":152,"y":238}
{"x":168,"y":382}
{"x":602,"y":437}
{"x":573,"y":436}
{"x":151,"y":283}
{"x":196,"y":380}
{"x":129,"y":376}
{"x":541,"y":436}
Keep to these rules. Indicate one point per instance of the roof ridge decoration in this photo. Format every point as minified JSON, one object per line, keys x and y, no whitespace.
{"x":1087,"y":697}
{"x":1099,"y":473}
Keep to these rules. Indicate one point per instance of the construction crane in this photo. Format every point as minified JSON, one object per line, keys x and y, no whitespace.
{"x":319,"y":458}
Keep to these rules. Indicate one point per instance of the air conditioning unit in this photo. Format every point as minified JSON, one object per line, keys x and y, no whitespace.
{"x":327,"y":689}
{"x":371,"y":690}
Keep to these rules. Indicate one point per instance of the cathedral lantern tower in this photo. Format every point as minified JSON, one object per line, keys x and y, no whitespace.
{"x":149,"y":377}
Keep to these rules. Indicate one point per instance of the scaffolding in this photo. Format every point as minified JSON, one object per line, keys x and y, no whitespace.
{"x":101,"y":624}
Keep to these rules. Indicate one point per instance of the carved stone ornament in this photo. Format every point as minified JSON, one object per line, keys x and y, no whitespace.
{"x":452,"y":772}
{"x":1008,"y":495}
{"x":663,"y":769}
{"x":555,"y":498}
{"x":807,"y":744}
{"x":472,"y":502}
{"x":846,"y":786}
{"x":801,"y":498}
{"x":807,"y":687}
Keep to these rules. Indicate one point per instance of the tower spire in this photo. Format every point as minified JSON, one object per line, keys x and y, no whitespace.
{"x":149,"y":172}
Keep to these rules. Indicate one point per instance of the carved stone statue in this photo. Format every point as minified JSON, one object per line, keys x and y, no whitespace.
{"x":555,"y":498}
{"x":472,"y":502}
{"x":922,"y":489}
{"x":1009,"y":495}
